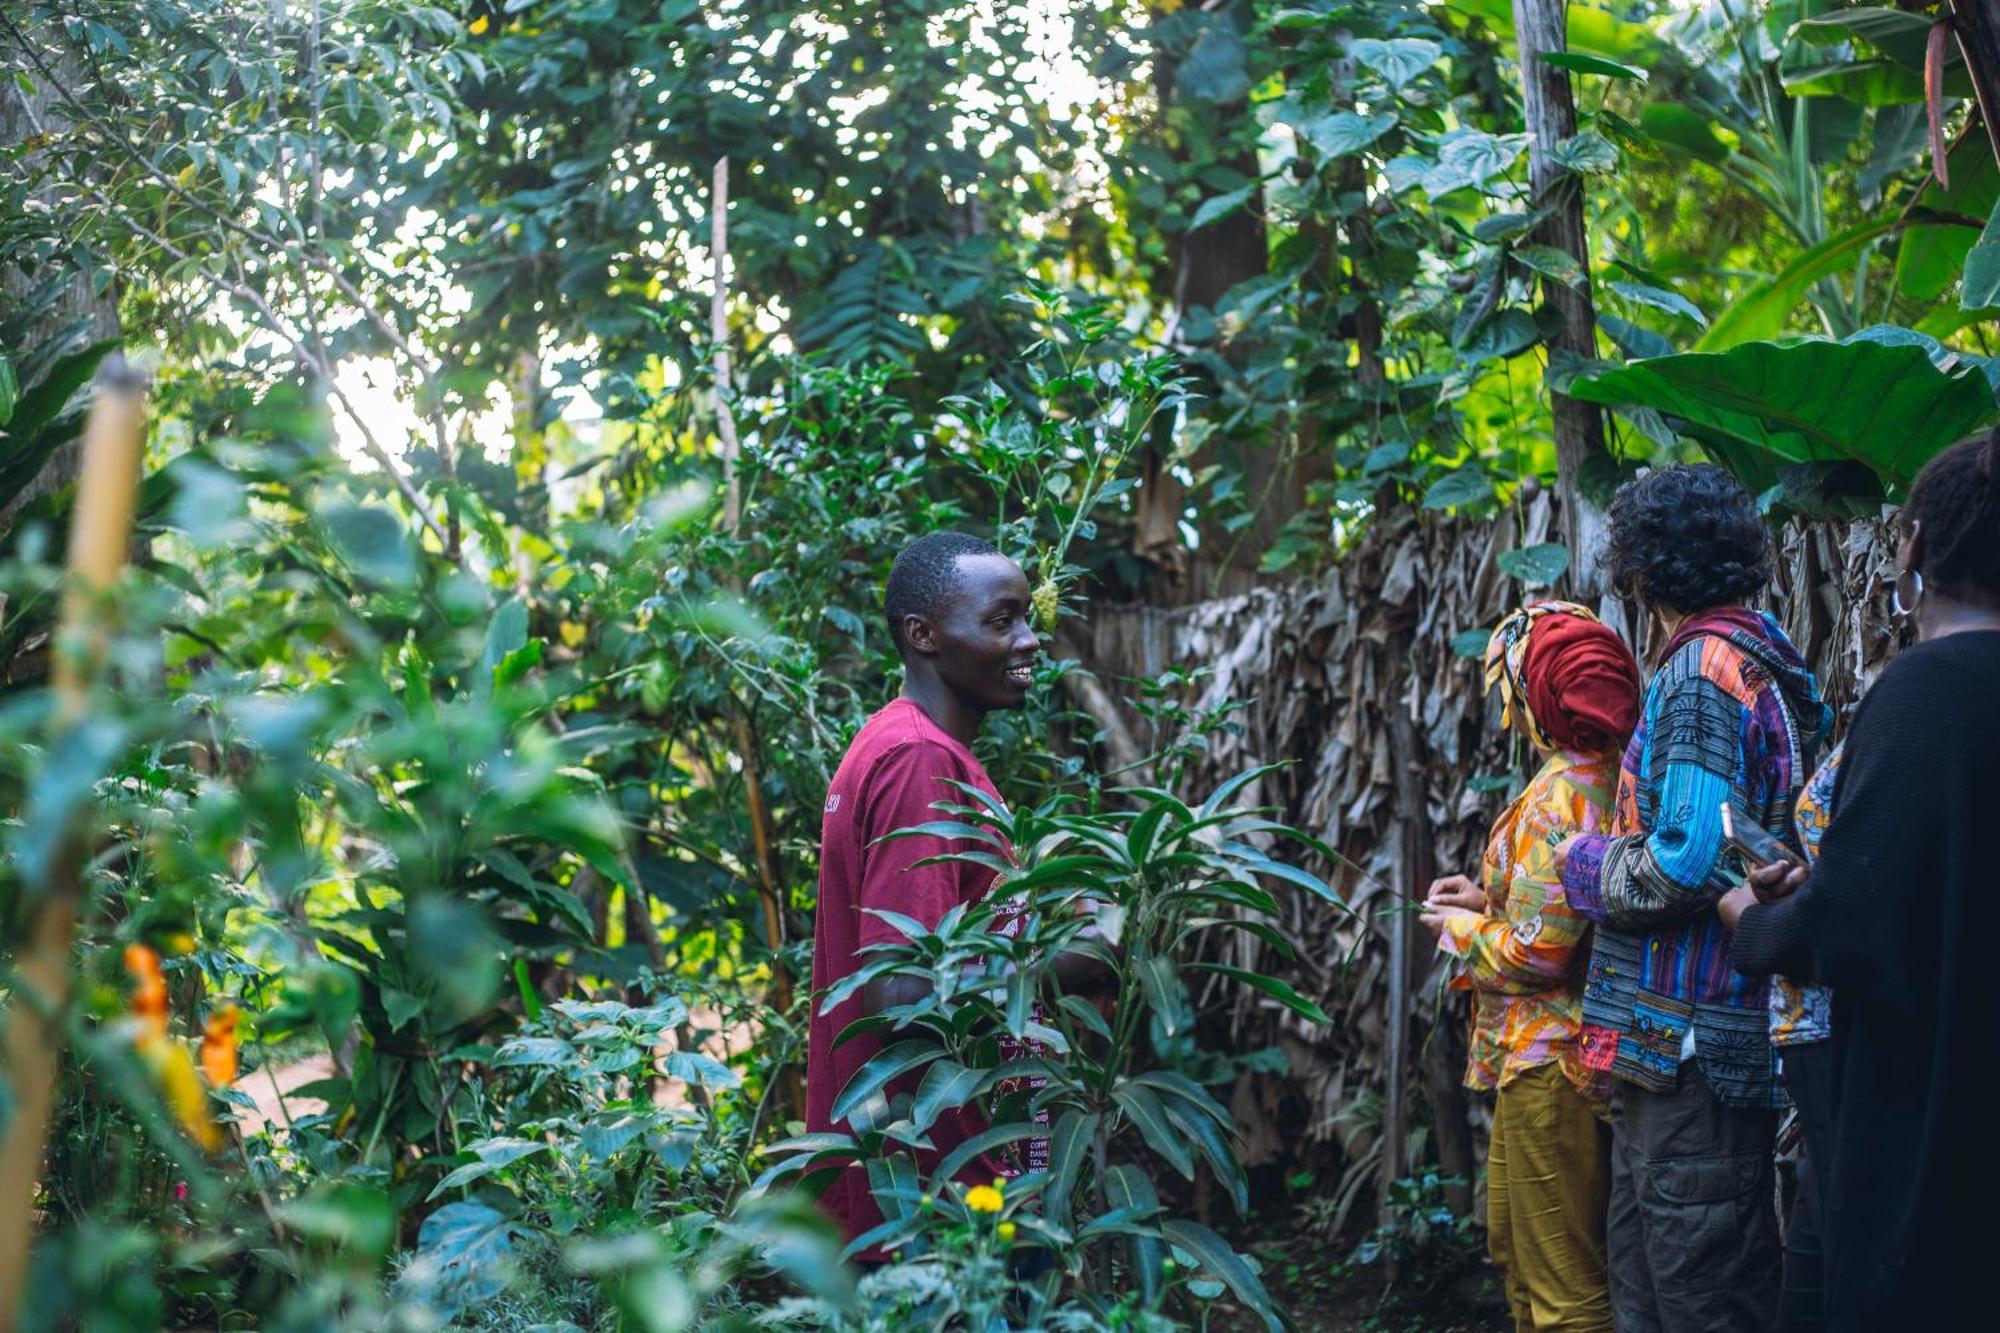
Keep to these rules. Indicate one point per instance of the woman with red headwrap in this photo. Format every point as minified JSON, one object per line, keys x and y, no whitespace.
{"x":1571,"y":687}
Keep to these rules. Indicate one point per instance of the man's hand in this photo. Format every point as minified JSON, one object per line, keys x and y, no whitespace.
{"x":1780,"y":879}
{"x":1455,"y":891}
{"x":1731,"y":905}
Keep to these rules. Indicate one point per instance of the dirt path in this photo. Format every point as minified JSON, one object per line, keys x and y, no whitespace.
{"x":267,"y":1085}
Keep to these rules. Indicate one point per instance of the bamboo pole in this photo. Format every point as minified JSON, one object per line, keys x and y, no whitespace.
{"x":99,"y":536}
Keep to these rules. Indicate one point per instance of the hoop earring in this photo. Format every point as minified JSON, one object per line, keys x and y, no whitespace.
{"x":1906,"y":609}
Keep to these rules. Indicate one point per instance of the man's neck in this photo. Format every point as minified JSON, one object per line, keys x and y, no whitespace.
{"x":952,"y":714}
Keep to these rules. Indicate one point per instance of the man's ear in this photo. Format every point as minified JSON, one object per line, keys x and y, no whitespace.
{"x":919,"y":635}
{"x":1913,"y":549}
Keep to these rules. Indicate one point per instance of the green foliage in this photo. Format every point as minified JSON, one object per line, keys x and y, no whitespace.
{"x":432,"y":743}
{"x":1135,"y":891}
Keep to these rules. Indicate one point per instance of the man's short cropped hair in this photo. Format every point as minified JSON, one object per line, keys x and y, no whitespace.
{"x":925,"y":574}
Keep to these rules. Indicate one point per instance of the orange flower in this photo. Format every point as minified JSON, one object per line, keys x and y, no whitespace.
{"x":218,"y":1047}
{"x":149,"y":991}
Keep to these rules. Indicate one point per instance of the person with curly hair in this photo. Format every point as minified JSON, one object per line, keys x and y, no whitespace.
{"x":1889,"y":918}
{"x":1570,"y":686}
{"x":1731,"y":716}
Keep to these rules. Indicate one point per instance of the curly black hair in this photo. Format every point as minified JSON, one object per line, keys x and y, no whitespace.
{"x":1687,"y":537}
{"x":925,"y":573}
{"x":1956,"y":502}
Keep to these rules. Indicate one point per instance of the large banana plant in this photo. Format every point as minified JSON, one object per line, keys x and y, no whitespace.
{"x":1137,"y":890}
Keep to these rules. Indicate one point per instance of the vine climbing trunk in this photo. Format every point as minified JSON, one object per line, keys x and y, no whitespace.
{"x":100,"y":533}
{"x":1539,"y":30}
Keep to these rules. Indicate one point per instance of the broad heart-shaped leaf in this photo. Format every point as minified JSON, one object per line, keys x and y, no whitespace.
{"x":1462,"y":486}
{"x":1469,"y":157}
{"x":1213,"y":1254}
{"x":1217,"y":207}
{"x":1587,"y":154}
{"x":1761,"y":404}
{"x":1761,"y":312}
{"x":1509,"y":333}
{"x":1581,"y":62}
{"x":1216,"y":67}
{"x":1551,"y":263}
{"x":1345,"y":132}
{"x":1536,"y":566}
{"x":1397,"y":60}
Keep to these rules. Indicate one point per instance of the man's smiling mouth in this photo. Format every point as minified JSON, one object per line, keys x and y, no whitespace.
{"x":1022,"y":675}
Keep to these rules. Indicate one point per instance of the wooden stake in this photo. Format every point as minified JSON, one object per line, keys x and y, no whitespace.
{"x":761,"y":840}
{"x":718,"y":333}
{"x":99,"y":537}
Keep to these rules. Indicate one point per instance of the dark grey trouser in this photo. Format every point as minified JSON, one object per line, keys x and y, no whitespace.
{"x":1809,"y":1078}
{"x":1693,"y":1240}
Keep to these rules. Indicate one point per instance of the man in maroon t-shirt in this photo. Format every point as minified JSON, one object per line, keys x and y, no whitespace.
{"x":960,"y":615}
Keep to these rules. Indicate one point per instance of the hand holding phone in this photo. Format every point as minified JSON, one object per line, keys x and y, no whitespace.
{"x":1752,"y":842}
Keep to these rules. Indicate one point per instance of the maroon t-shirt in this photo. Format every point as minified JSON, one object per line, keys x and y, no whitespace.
{"x":899,"y":765}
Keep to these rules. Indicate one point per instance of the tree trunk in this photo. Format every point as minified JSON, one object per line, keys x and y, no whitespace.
{"x":1977,"y":25}
{"x":79,"y":315}
{"x":1539,"y":29}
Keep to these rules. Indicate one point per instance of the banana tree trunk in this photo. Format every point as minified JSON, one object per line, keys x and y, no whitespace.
{"x":1977,"y":26}
{"x":1539,"y":30}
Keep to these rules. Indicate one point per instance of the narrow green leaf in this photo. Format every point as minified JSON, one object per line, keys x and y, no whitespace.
{"x":1213,"y":1254}
{"x":1270,"y":986}
{"x":882,"y":1069}
{"x":1142,"y":1107}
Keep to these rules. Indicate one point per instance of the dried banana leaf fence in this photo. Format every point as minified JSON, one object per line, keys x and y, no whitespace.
{"x":1400,"y":765}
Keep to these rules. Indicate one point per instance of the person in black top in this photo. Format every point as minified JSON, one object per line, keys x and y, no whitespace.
{"x":1892,"y":916}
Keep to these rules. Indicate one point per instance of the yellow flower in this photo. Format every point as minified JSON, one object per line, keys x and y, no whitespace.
{"x":479,"y":25}
{"x":173,"y":1070}
{"x":1006,"y":1233}
{"x":984,"y":1199}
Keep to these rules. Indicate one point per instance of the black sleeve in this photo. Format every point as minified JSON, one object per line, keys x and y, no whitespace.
{"x":1875,"y":882}
{"x":1771,"y":939}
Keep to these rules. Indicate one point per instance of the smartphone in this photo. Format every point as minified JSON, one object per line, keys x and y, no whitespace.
{"x":1757,"y":847}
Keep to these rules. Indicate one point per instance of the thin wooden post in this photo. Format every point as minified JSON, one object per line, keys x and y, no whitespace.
{"x":762,"y":840}
{"x":99,"y":536}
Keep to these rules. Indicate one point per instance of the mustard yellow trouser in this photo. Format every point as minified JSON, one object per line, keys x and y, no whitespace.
{"x":1548,"y":1189}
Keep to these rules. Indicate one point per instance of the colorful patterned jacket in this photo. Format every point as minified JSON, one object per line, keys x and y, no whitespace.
{"x":1524,"y":960}
{"x":1732,"y":714}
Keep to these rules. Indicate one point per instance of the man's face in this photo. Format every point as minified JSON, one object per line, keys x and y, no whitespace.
{"x":980,"y":641}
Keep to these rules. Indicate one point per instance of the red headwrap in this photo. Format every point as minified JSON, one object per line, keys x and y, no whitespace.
{"x":1583,"y":686}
